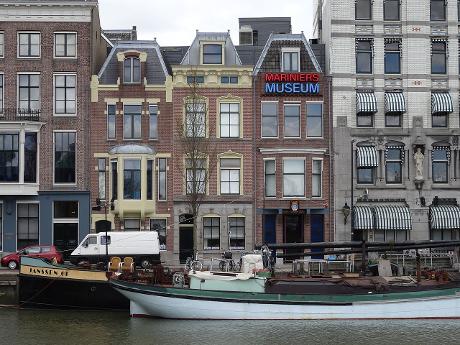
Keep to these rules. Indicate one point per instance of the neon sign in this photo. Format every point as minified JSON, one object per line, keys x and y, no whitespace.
{"x":292,"y":83}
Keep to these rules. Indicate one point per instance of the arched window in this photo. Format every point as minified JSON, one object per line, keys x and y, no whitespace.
{"x":132,"y":70}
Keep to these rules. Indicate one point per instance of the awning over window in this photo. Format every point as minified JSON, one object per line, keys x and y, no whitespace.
{"x":363,"y":219}
{"x":441,"y":102}
{"x":366,"y":102}
{"x":445,"y":217}
{"x":395,"y":102}
{"x":392,"y":218}
{"x":367,"y":157}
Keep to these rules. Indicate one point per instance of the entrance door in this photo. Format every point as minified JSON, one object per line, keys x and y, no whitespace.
{"x":65,"y":238}
{"x":269,"y":228}
{"x":317,"y":232}
{"x":185,"y":243}
{"x":293,"y":232}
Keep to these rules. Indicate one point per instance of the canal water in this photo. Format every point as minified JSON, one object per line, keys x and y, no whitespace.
{"x":86,"y":328}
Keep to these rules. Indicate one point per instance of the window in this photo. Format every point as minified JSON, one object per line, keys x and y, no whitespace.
{"x":132,"y":224}
{"x":195,"y":176}
{"x":30,"y":158}
{"x":393,"y":119}
{"x":150,"y":179}
{"x":132,"y":179}
{"x":1,"y":93}
{"x":440,"y":159}
{"x":162,"y":184}
{"x":211,"y":232}
{"x":27,"y":225}
{"x":394,"y":162}
{"x":132,"y":121}
{"x":111,"y":121}
{"x":269,"y":119}
{"x":236,"y":232}
{"x":229,"y":120}
{"x":212,"y":54}
{"x":159,"y":225}
{"x":153,"y":122}
{"x":66,"y":209}
{"x":440,"y":119}
{"x":1,"y":227}
{"x":365,"y":175}
{"x":2,"y":54}
{"x":65,"y":44}
{"x":270,"y":178}
{"x":195,"y":120}
{"x":101,"y":173}
{"x":438,"y":10}
{"x":29,"y":44}
{"x":29,"y":93}
{"x":293,"y":177}
{"x":65,"y":97}
{"x":438,"y":57}
{"x":391,"y":9}
{"x":292,"y":120}
{"x":114,"y":165}
{"x":364,"y":54}
{"x":131,"y":70}
{"x":9,"y":157}
{"x":230,"y":175}
{"x":363,"y":9}
{"x":365,"y":119}
{"x":64,"y":157}
{"x":195,"y":79}
{"x":392,"y":56}
{"x":316,"y":178}
{"x":290,"y":61}
{"x":314,"y":120}
{"x":226,"y":79}
{"x":390,"y":235}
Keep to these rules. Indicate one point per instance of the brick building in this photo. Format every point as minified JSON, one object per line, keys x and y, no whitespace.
{"x":395,"y":71}
{"x":48,"y":52}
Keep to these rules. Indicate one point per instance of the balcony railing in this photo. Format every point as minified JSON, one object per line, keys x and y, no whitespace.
{"x":19,"y":114}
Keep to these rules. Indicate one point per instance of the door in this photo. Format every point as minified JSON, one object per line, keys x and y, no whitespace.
{"x":269,"y":228}
{"x":185,"y":243}
{"x":293,"y":233}
{"x":65,"y":237}
{"x":317,"y":232}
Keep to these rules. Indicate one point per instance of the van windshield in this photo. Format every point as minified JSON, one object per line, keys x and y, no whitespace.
{"x":90,"y":240}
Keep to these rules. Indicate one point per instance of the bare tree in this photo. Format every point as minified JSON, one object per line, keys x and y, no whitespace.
{"x":197,"y":148}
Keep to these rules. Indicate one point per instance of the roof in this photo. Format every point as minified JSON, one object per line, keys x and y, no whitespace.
{"x":156,"y":70}
{"x":51,"y":2}
{"x":173,"y":55}
{"x":192,"y":57}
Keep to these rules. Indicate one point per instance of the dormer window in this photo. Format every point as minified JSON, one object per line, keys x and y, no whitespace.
{"x":212,"y":54}
{"x":132,"y":70}
{"x":290,"y":61}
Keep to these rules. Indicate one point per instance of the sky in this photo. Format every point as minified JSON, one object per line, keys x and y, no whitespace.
{"x":174,"y":22}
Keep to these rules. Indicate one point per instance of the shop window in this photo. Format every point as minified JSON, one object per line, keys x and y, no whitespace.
{"x":438,"y":10}
{"x":131,"y":70}
{"x":9,"y":157}
{"x":364,"y":56}
{"x":438,"y":57}
{"x":236,"y":232}
{"x":269,"y":119}
{"x":293,"y":177}
{"x":132,"y":179}
{"x":363,"y":9}
{"x":211,"y":232}
{"x":270,"y":178}
{"x":159,"y":225}
{"x":391,"y":10}
{"x":64,"y":157}
{"x":132,"y":122}
{"x":212,"y":54}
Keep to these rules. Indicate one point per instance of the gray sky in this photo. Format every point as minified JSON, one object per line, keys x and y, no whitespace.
{"x":173,"y":22}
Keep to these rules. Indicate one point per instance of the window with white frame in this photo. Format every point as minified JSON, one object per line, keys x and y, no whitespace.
{"x":1,"y":93}
{"x":162,"y":179}
{"x":2,"y":44}
{"x":195,"y":119}
{"x":27,"y":224}
{"x":132,"y":224}
{"x":269,"y":112}
{"x":316,"y":178}
{"x":293,"y":177}
{"x":314,"y":120}
{"x":211,"y":232}
{"x":153,"y":121}
{"x":292,"y":120}
{"x":230,"y":171}
{"x":132,"y":179}
{"x":229,"y":120}
{"x":29,"y":44}
{"x":290,"y":60}
{"x":131,"y":70}
{"x":9,"y":157}
{"x":30,"y":157}
{"x":65,"y":96}
{"x":159,"y":225}
{"x":111,"y":121}
{"x":149,"y":179}
{"x":132,"y":122}
{"x":65,"y":44}
{"x":195,"y":170}
{"x":212,"y":54}
{"x":29,"y":93}
{"x":101,"y":173}
{"x":236,"y":232}
{"x":64,"y":157}
{"x":270,"y":178}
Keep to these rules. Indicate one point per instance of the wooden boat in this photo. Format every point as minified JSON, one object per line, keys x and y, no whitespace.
{"x":45,"y":285}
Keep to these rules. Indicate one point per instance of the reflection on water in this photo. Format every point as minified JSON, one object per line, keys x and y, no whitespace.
{"x":84,"y":328}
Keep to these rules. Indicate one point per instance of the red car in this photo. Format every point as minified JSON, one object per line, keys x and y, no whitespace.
{"x":45,"y":252}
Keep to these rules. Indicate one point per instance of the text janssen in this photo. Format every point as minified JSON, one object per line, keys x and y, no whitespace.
{"x":292,"y":83}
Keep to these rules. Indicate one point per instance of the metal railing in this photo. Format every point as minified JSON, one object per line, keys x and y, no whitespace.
{"x":21,"y":114}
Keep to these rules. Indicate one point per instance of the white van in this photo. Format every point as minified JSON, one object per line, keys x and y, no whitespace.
{"x":142,"y":246}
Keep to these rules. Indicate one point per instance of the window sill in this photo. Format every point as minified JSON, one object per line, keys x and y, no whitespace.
{"x":64,"y":115}
{"x":29,"y":57}
{"x":65,"y":57}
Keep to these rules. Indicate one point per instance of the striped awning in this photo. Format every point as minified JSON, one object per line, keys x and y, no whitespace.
{"x":367,"y":157}
{"x":441,"y":102}
{"x":445,"y":217}
{"x":366,"y":102}
{"x":363,"y":219}
{"x":395,"y":102}
{"x":392,"y":218}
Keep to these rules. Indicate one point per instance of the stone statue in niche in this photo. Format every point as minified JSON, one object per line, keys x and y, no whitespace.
{"x":419,"y":157}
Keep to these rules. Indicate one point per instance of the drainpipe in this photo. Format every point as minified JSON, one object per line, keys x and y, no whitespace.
{"x":254,"y":162}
